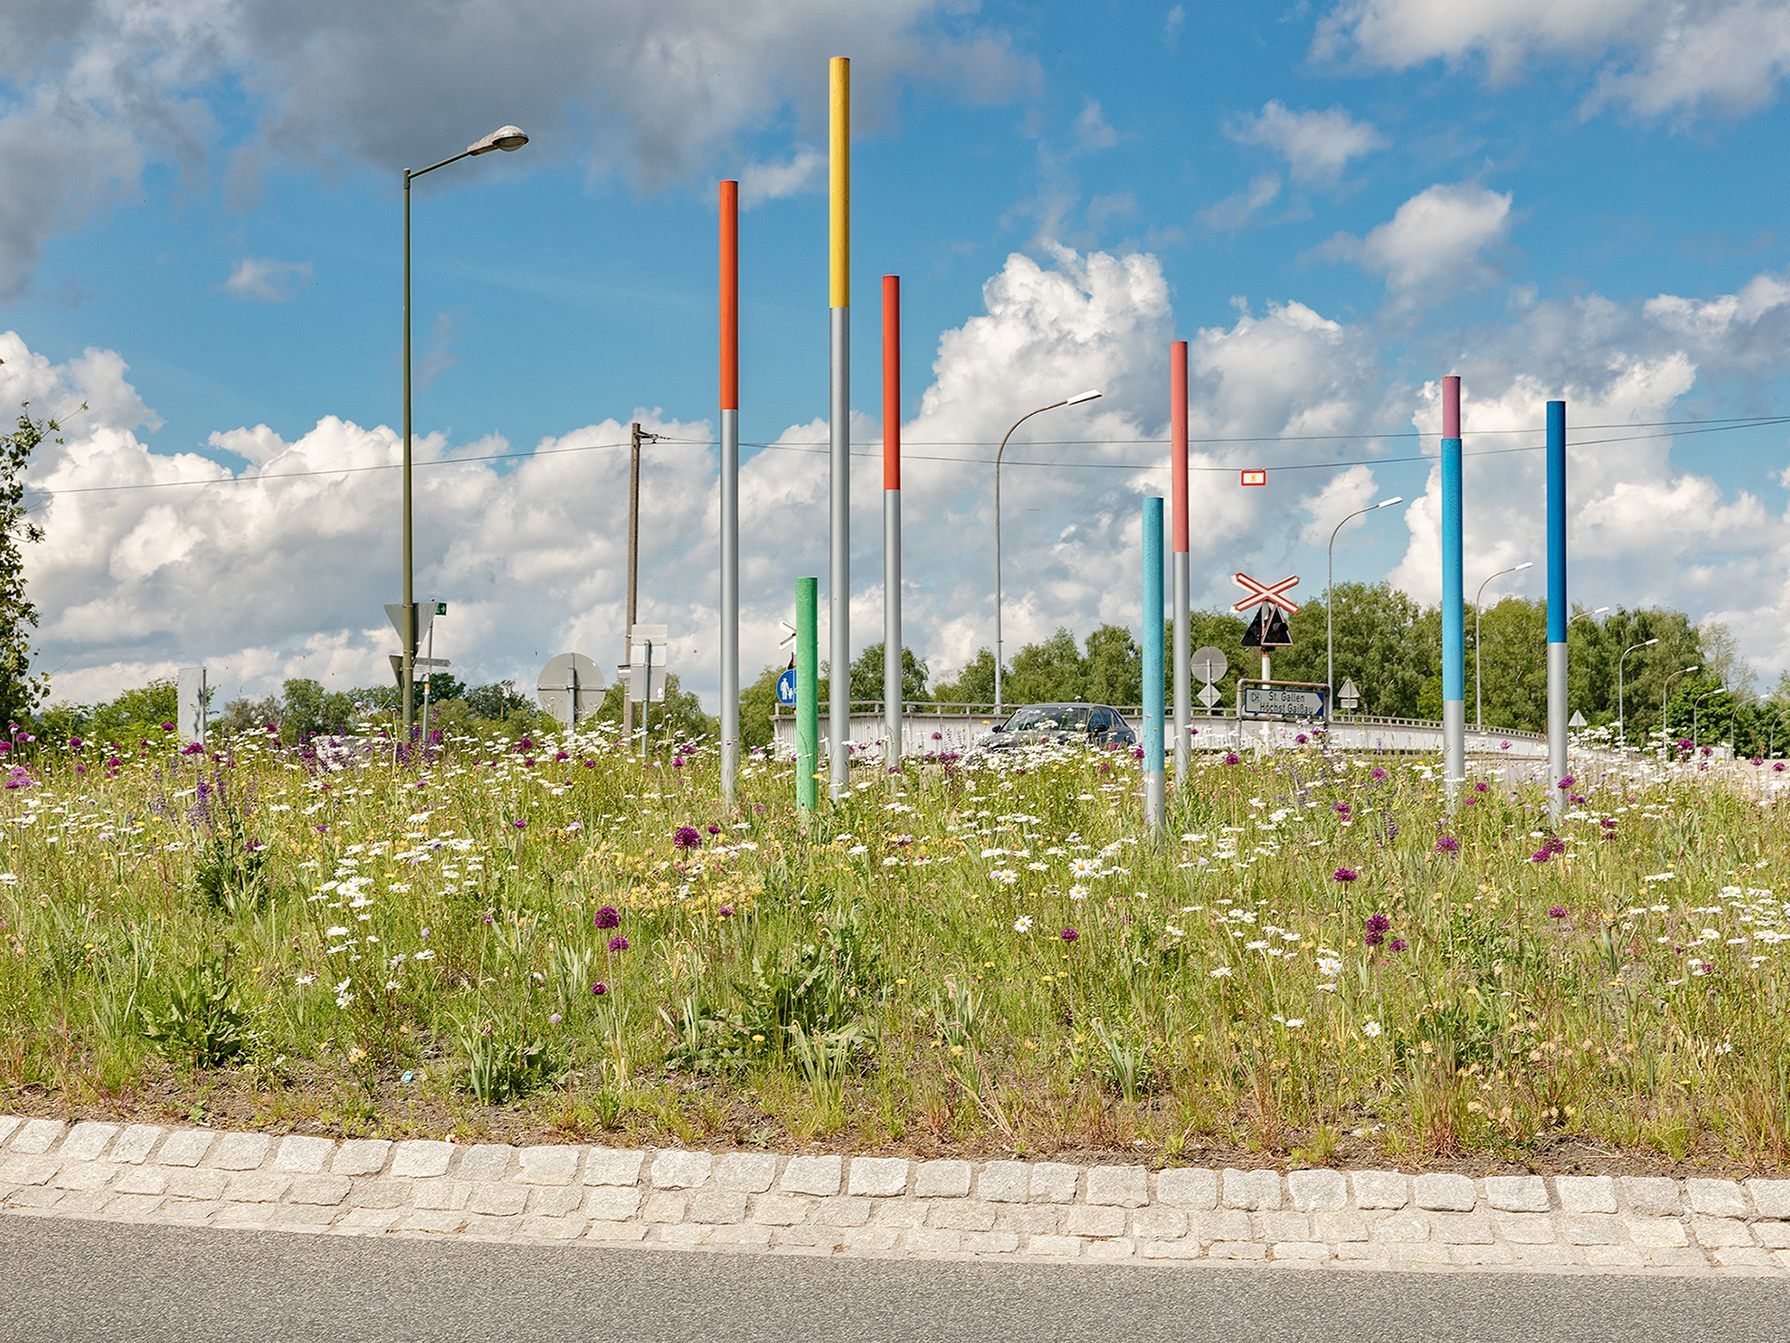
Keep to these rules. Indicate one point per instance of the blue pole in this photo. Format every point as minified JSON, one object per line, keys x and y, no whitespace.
{"x":1557,"y":612}
{"x":1153,"y":698}
{"x":1454,"y":653}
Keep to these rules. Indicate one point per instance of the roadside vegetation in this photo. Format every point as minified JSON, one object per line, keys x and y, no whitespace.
{"x":1320,"y":962}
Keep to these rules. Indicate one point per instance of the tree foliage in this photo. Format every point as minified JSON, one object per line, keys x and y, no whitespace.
{"x":19,"y":689}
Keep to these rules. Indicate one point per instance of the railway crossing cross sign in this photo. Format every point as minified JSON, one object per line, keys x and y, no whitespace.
{"x":1265,"y":594}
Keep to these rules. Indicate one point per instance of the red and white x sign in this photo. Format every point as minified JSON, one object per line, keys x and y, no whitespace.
{"x":1270,"y":593}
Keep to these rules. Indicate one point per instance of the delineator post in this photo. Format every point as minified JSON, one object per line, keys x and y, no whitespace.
{"x":1454,"y":653}
{"x":839,"y":431}
{"x":1182,"y":594}
{"x":1154,"y":810}
{"x":1558,"y":615}
{"x":730,"y":490}
{"x":892,"y":702}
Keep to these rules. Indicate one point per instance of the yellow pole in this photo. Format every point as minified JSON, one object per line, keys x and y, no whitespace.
{"x":839,"y":436}
{"x":840,"y":161}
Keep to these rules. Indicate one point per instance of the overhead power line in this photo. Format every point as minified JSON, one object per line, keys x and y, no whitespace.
{"x":1677,"y":428}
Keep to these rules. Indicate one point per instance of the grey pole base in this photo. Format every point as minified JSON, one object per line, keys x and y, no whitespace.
{"x":1454,"y":743}
{"x":730,"y":605}
{"x":839,"y":569}
{"x":1155,"y":807}
{"x":892,"y":704}
{"x":1183,"y":668}
{"x":1557,"y":715}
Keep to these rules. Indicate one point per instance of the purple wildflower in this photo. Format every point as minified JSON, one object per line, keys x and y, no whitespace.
{"x":1557,"y":912}
{"x":1232,"y":758}
{"x":1397,"y":944}
{"x":606,"y":918}
{"x":1345,"y":874}
{"x":686,"y":837}
{"x":599,"y":988}
{"x":1448,"y":844}
{"x":618,"y":943}
{"x":1069,"y":934}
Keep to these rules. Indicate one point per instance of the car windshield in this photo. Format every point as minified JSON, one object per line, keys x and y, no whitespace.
{"x":1047,"y":718}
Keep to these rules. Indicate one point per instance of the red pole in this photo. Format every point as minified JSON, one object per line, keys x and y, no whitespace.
{"x":1178,"y":419}
{"x":892,"y":701}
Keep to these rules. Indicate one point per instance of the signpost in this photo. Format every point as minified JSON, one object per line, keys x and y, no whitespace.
{"x":570,"y":687}
{"x":1269,"y":628}
{"x":1209,"y":664}
{"x":786,"y":688}
{"x":1349,"y":698}
{"x":1282,"y":700}
{"x":648,"y":656}
{"x":193,"y":696}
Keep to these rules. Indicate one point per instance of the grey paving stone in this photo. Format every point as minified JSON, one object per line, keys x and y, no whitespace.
{"x":1525,"y":1228}
{"x":327,"y":1191}
{"x":1591,"y":1228}
{"x":1715,"y":1233}
{"x":1444,"y":1193}
{"x":1190,"y":1187}
{"x":1310,"y":1190}
{"x":551,"y":1165}
{"x":817,"y":1175}
{"x":966,"y":1214}
{"x":674,"y":1169}
{"x":141,"y":1181}
{"x":1094,"y":1221}
{"x":1380,"y":1188}
{"x":241,"y":1151}
{"x":1062,"y":1247}
{"x":37,"y":1136}
{"x":1120,"y":1186}
{"x":1771,"y":1198}
{"x":1277,"y":1226}
{"x":1222,"y":1224}
{"x":87,"y":1141}
{"x":445,"y":1195}
{"x":745,"y":1172}
{"x":1004,"y":1182}
{"x":507,"y":1200}
{"x":942,"y":1179}
{"x":421,"y":1158}
{"x":1158,"y":1223}
{"x":717,"y":1206}
{"x":1254,"y":1190}
{"x":192,"y":1182}
{"x":1716,"y":1198}
{"x":609,"y":1203}
{"x":28,"y":1170}
{"x":360,"y":1156}
{"x":486,"y":1161}
{"x":83,"y":1174}
{"x":1517,"y":1193}
{"x":7,"y":1124}
{"x":1586,"y":1193}
{"x":1462,"y":1228}
{"x":846,"y":1210}
{"x":877,"y":1176}
{"x":256,"y":1186}
{"x":553,"y":1200}
{"x":1651,"y":1195}
{"x":300,"y":1154}
{"x":1335,"y":1225}
{"x":779,"y":1209}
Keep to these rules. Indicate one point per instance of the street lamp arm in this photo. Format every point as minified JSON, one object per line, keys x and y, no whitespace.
{"x":411,"y":174}
{"x":1021,"y":420}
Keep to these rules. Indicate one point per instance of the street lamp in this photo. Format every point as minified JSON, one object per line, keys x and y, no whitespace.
{"x":1621,"y":719}
{"x":509,"y":139}
{"x":1589,"y":615}
{"x":1330,"y":605}
{"x":1771,"y":734}
{"x":1478,"y":689}
{"x":1665,"y":690}
{"x":1075,"y":400}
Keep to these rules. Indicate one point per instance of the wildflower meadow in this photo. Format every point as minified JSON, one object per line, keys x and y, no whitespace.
{"x":1325,"y":960}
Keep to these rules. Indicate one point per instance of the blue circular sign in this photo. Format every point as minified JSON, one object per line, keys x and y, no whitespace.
{"x":786,"y":686}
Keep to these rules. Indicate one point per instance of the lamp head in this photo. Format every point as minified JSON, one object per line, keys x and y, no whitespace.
{"x":1079,"y":397}
{"x":507,"y":138}
{"x":1526,"y":564}
{"x":1392,"y":502}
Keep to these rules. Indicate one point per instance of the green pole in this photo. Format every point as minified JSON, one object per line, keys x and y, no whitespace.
{"x":807,"y":690}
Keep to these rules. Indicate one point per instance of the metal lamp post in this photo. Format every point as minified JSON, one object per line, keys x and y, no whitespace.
{"x":1329,"y":602}
{"x":1589,"y":615}
{"x":1621,"y":718}
{"x":1478,"y":597}
{"x":1075,"y":400}
{"x":1665,"y":691}
{"x":509,"y":139}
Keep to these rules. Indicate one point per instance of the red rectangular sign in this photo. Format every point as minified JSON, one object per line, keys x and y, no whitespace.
{"x":1252,"y":477}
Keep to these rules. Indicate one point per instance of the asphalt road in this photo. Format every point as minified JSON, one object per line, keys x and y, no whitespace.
{"x":96,"y":1281}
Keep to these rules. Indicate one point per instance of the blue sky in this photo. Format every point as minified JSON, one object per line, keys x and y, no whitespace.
{"x":1338,"y":202}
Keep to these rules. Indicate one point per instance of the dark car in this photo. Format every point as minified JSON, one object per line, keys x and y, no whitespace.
{"x":1095,"y":724}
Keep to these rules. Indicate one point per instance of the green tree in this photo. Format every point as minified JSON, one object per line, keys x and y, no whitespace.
{"x":135,"y":715}
{"x":679,"y":717}
{"x":1113,"y":668}
{"x":19,"y":689}
{"x":1043,"y":672}
{"x":867,"y":674}
{"x":498,"y":701}
{"x":758,"y":702}
{"x":974,"y":684}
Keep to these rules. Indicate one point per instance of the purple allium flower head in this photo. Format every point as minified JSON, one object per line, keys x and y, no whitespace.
{"x":726,"y":911}
{"x":1137,"y":753}
{"x":1397,"y":944}
{"x":520,"y":823}
{"x":167,"y":727}
{"x":1482,"y":787}
{"x":1232,"y":758}
{"x":1448,"y":844}
{"x":1377,"y":923}
{"x":1540,"y":856}
{"x":1566,"y":783}
{"x":1709,"y":750}
{"x":1340,"y":808}
{"x":1376,"y":773}
{"x":605,"y":918}
{"x":618,"y":943}
{"x":686,"y":837}
{"x":1779,"y":767}
{"x":1069,"y":934}
{"x":599,"y":988}
{"x":1300,"y":739}
{"x":74,"y":744}
{"x":713,"y":829}
{"x":1557,"y":912}
{"x":1345,"y":874}
{"x":554,"y":1018}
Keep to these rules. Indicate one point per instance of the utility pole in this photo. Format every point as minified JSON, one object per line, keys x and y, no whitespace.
{"x":637,"y":437}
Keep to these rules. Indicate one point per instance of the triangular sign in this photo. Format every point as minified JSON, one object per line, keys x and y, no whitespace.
{"x":1577,"y":719}
{"x":1267,"y":630}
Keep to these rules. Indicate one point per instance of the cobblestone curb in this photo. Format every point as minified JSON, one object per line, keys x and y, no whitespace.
{"x":890,"y":1206}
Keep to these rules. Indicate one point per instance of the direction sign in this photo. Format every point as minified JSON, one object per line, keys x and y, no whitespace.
{"x":1209,"y":695}
{"x":1283,"y":700}
{"x":1210,"y":664}
{"x":786,"y":687}
{"x":1271,"y":593}
{"x":1348,"y":696}
{"x":570,"y":687}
